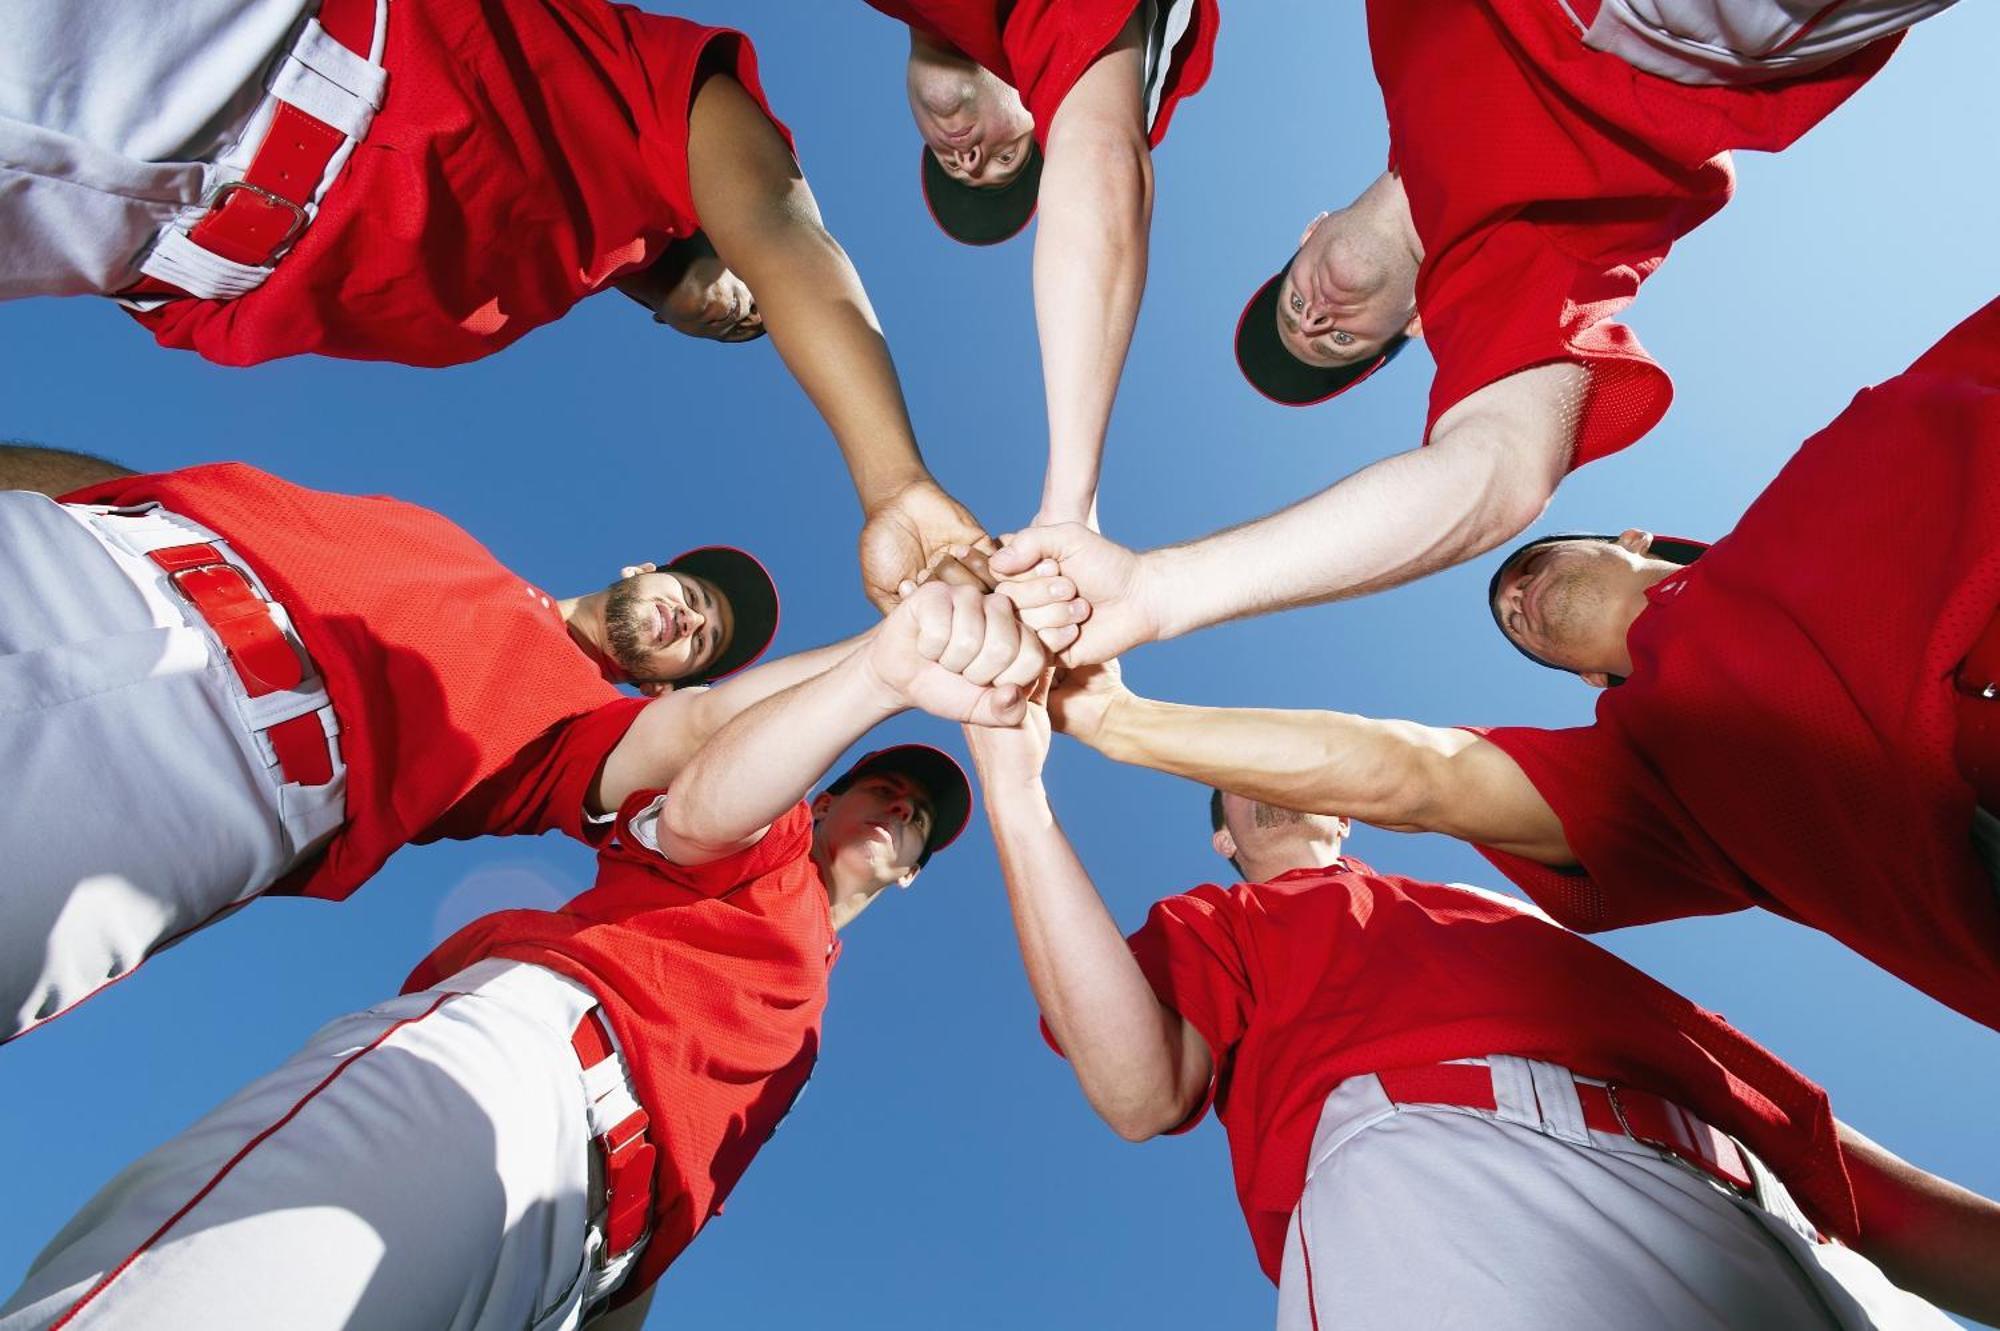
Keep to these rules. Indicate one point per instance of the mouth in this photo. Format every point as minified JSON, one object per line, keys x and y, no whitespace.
{"x":666,"y":625}
{"x":957,"y":136}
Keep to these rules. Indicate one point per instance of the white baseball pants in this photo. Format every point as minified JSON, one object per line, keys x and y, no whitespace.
{"x":1523,"y":1219}
{"x":1745,"y":41}
{"x":421,"y":1166}
{"x":143,"y":799}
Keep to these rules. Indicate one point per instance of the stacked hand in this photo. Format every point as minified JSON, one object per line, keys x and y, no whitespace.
{"x":958,"y":653}
{"x":911,"y":533}
{"x":1087,"y":597}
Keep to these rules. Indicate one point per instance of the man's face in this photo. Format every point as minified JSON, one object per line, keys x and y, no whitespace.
{"x":974,"y":124}
{"x":711,"y":301}
{"x":1563,"y":601}
{"x":1346,"y":295}
{"x":877,"y":826}
{"x":661,"y":627}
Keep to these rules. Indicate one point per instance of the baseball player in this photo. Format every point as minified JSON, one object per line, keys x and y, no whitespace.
{"x":561,"y":1100}
{"x":286,"y":685}
{"x":1445,"y":1110}
{"x":427,"y":183}
{"x":1057,"y":102}
{"x":1825,"y":671}
{"x":1536,"y":177}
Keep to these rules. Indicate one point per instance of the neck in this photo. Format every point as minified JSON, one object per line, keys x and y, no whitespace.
{"x":1281,"y":860}
{"x":583,"y":616}
{"x":1389,"y":207}
{"x":844,"y":901}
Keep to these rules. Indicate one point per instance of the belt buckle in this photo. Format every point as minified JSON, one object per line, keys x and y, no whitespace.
{"x":298,"y":212}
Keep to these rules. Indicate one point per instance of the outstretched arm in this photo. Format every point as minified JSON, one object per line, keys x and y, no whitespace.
{"x":1493,"y":461}
{"x":1396,"y":775}
{"x":1932,"y":1237}
{"x":955,"y":652}
{"x":1141,"y":1065}
{"x":1095,"y":210}
{"x":757,"y":209}
{"x":53,"y":471}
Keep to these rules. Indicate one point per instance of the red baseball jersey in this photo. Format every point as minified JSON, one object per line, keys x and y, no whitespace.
{"x":1785,"y":737}
{"x":465,"y":709}
{"x":528,"y":153}
{"x":1040,"y":48}
{"x":1324,"y":974}
{"x":1547,"y":181}
{"x":714,"y":979}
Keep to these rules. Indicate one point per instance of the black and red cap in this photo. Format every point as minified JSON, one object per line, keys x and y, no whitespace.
{"x":1279,"y":375}
{"x":939,"y":776}
{"x":976,"y":216}
{"x":1674,"y":549}
{"x":753,"y":604}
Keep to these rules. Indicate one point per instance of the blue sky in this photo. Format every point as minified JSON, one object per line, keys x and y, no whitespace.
{"x":942,"y":1171}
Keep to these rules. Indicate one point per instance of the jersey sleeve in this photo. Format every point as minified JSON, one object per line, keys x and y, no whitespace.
{"x":546,"y":786}
{"x":635,"y":842}
{"x":1188,"y":952}
{"x":1640,"y":856}
{"x":1051,"y":43}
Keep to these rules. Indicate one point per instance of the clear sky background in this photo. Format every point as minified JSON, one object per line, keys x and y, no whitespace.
{"x":942,"y":1170}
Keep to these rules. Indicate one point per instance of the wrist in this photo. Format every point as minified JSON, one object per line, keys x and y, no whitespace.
{"x":880,"y":486}
{"x":876,"y":692}
{"x":1010,"y":795}
{"x":1114,"y":732}
{"x":1178,"y":567}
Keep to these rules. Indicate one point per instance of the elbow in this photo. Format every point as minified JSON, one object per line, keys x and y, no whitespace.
{"x":1513,"y":473}
{"x":1140,"y":1118}
{"x":1105,"y":169}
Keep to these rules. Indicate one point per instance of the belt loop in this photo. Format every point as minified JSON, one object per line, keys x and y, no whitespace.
{"x":1562,"y":1111}
{"x":1514,"y":1090}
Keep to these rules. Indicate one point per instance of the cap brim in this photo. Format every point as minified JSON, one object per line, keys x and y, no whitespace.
{"x":940,"y":777}
{"x":1675,"y":549}
{"x":753,"y":604}
{"x":976,"y":216}
{"x":1279,"y":375}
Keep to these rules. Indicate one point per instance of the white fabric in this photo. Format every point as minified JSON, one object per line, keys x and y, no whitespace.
{"x":120,"y":118}
{"x":1746,"y":41}
{"x":145,"y":800}
{"x":421,"y":1166}
{"x":1164,"y":30}
{"x":1438,"y":1216}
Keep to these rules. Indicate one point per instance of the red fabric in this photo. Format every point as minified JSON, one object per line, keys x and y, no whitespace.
{"x":1785,"y":738}
{"x":1040,"y":48}
{"x":445,"y":669}
{"x":528,"y":153}
{"x":1324,"y":974}
{"x":1547,"y":181}
{"x":714,"y":978}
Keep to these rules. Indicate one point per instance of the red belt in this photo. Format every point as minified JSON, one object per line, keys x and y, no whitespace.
{"x":627,"y":1155}
{"x":264,"y":658}
{"x":1620,"y":1110}
{"x":250,"y":220}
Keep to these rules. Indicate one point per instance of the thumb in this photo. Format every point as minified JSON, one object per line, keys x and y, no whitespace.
{"x":1004,"y":705}
{"x":1024,"y":550}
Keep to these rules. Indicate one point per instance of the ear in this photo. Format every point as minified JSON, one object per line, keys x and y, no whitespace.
{"x":1415,"y":327}
{"x":821,"y":803}
{"x":1346,"y":826}
{"x":1225,"y":844}
{"x":1311,"y":227}
{"x":654,"y":688}
{"x":1638,"y":542}
{"x":906,"y":879}
{"x":634,"y":570}
{"x":1597,"y":679}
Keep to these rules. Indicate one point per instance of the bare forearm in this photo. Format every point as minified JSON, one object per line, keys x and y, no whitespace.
{"x":1090,"y":271}
{"x":1127,"y":1049}
{"x":1486,"y":475}
{"x":761,"y":216}
{"x":1929,"y":1235}
{"x":53,"y":471}
{"x":671,"y":730}
{"x":763,"y":761}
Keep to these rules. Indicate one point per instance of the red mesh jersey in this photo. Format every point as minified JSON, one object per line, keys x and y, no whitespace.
{"x":464,"y":707}
{"x":1324,"y":974}
{"x":528,"y":153}
{"x":1040,"y":48}
{"x":714,"y":979}
{"x":1785,"y":738}
{"x":1547,"y":181}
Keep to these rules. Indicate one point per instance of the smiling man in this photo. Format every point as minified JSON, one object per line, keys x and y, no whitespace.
{"x":562,"y":1100}
{"x":284,"y":686}
{"x":427,"y":183}
{"x":1540,"y":168}
{"x":1805,"y":718}
{"x":1057,"y":103}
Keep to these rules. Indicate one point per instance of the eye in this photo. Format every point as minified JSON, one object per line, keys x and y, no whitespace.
{"x":1343,"y":339}
{"x":1007,"y":158}
{"x":1298,"y":303}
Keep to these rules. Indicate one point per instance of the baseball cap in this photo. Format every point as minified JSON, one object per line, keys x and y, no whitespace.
{"x":753,"y":603}
{"x":1674,"y":549}
{"x":977,"y":216}
{"x":1279,"y":375}
{"x":932,"y":769}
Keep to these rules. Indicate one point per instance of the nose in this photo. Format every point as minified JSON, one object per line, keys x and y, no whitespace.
{"x":969,"y":158}
{"x":903,"y":808}
{"x":1315,"y":321}
{"x":695,"y":619}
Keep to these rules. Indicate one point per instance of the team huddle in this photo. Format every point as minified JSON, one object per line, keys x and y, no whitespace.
{"x":1421,"y":1083}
